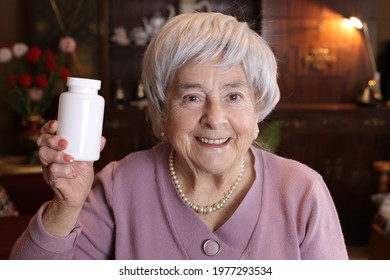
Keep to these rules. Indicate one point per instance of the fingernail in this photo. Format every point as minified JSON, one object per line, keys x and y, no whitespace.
{"x":62,"y":143}
{"x":68,"y":158}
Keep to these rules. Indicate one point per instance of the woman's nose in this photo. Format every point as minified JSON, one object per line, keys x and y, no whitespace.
{"x":214,"y":114}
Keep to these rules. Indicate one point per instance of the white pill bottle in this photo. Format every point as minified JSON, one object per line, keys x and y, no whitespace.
{"x":80,"y":118}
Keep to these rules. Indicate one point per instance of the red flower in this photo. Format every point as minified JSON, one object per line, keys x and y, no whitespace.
{"x":33,"y":54}
{"x":49,"y":54}
{"x":41,"y":81}
{"x":50,"y":65}
{"x":64,"y":73}
{"x":25,"y":80}
{"x":33,"y":73}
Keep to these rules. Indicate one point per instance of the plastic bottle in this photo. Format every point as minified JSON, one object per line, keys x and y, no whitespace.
{"x":80,"y":118}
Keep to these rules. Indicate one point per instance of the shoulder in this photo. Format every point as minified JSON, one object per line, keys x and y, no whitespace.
{"x":283,"y":167}
{"x":288,"y":178}
{"x":136,"y":169}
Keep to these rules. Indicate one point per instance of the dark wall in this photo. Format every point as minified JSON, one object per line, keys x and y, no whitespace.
{"x":13,"y":29}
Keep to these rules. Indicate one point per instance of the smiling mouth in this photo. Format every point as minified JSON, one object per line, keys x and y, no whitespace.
{"x":212,"y":141}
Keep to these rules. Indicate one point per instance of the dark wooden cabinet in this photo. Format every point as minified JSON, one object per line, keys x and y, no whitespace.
{"x":321,"y":58}
{"x":341,"y":142}
{"x":324,"y":66}
{"x":126,"y":130}
{"x":122,"y":63}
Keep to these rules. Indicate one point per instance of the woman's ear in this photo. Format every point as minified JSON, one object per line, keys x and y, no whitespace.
{"x":256,"y":133}
{"x":163,"y":128}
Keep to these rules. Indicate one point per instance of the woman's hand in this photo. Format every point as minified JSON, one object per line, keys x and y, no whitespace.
{"x":70,"y":180}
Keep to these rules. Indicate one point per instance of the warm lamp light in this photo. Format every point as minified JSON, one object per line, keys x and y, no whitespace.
{"x":372,"y":93}
{"x":356,"y":22}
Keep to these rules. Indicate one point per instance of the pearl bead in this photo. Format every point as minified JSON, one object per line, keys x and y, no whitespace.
{"x":203,"y":209}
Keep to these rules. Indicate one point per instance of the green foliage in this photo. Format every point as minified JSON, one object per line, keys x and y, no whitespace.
{"x":270,"y":135}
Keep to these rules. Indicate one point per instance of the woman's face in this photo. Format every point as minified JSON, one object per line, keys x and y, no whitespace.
{"x":211,"y":118}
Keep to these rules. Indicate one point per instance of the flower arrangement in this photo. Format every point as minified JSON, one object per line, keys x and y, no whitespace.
{"x":29,"y":78}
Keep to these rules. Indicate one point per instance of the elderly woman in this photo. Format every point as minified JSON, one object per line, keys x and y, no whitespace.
{"x":205,"y":192}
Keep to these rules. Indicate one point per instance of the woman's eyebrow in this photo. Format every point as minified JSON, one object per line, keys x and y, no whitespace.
{"x":235,"y":84}
{"x":187,"y":86}
{"x":198,"y":86}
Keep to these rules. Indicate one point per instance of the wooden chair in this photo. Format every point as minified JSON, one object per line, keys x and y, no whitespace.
{"x":384,"y":168}
{"x":379,"y":242}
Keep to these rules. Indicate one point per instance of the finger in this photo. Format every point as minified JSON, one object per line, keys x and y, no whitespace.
{"x":52,"y":141}
{"x":59,"y":171}
{"x":103,"y":143}
{"x":50,"y":127}
{"x":48,"y":130}
{"x":49,"y":156}
{"x":62,"y":171}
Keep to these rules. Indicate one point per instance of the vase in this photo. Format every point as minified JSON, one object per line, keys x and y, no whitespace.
{"x":28,"y":135}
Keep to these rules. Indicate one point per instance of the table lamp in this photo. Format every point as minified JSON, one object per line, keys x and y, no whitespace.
{"x":372,"y":94}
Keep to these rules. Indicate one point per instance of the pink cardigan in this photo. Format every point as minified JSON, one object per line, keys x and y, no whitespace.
{"x":134,"y":212}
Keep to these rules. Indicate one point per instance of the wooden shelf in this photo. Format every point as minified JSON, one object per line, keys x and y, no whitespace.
{"x":13,"y":165}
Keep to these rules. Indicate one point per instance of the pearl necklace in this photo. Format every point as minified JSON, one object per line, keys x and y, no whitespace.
{"x":208,"y":208}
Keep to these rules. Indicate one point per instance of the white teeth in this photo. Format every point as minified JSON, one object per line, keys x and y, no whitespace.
{"x":212,"y":141}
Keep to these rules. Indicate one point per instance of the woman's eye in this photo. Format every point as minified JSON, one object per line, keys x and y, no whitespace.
{"x":190,"y":98}
{"x":234,"y":96}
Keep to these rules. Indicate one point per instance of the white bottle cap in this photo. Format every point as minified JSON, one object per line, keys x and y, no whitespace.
{"x":80,"y":85}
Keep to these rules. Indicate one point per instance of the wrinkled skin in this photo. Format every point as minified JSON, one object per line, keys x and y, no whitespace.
{"x":70,"y":180}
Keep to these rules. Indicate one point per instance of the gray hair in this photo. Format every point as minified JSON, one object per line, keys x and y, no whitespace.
{"x":199,"y":38}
